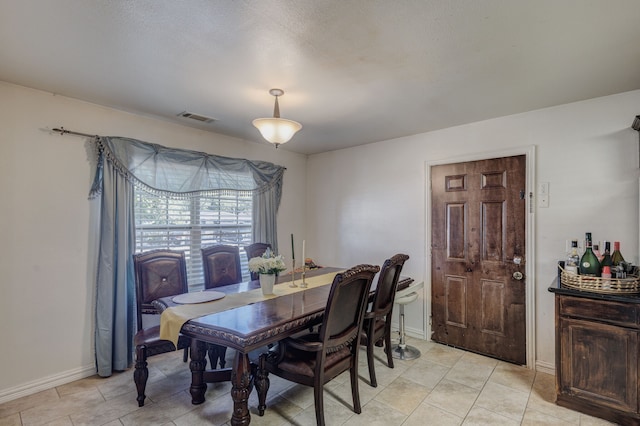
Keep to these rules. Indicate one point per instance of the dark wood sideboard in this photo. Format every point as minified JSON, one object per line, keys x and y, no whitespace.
{"x":597,"y":338}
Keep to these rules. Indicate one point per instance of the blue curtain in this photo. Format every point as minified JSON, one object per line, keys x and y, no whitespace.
{"x":127,"y":163}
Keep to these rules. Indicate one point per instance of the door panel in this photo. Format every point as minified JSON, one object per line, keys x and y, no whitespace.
{"x":478,"y":227}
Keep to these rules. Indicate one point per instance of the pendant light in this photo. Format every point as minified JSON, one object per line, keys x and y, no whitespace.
{"x":277,"y":130}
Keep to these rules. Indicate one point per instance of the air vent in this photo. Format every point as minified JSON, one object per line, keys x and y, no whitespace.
{"x":197,"y":117}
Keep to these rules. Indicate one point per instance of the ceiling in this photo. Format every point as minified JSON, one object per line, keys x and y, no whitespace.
{"x":353,"y":72}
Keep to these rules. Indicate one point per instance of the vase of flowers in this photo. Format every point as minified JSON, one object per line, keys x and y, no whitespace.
{"x":267,"y":266}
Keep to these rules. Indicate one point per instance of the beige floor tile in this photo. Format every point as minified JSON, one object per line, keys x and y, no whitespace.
{"x":503,"y":400}
{"x":443,"y":355}
{"x":62,"y":421}
{"x":62,"y":407}
{"x":212,"y":412}
{"x":427,"y":414}
{"x":161,"y":412}
{"x":426,"y":373}
{"x":29,"y":401}
{"x":11,"y":420}
{"x":543,"y":405}
{"x":470,"y":373}
{"x":403,"y":395}
{"x":376,"y":413}
{"x":536,"y":418}
{"x":102,"y":412}
{"x":280,"y":411}
{"x":513,"y":376}
{"x":335,"y":414}
{"x":480,"y":417}
{"x":453,"y":397}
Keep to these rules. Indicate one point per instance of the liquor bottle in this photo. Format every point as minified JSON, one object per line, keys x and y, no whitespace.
{"x":573,"y":259}
{"x":606,"y":257}
{"x":616,"y":257}
{"x":589,"y":264}
{"x":596,"y":251}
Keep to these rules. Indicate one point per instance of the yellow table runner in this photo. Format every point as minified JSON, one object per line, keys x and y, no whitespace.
{"x":173,"y":318}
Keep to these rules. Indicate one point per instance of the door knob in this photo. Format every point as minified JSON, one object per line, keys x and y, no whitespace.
{"x":517,"y":275}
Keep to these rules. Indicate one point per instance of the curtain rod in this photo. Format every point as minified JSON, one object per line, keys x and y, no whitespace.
{"x":62,"y":131}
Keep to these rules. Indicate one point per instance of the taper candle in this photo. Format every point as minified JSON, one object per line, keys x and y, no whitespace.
{"x":293,"y":252}
{"x":303,"y":254}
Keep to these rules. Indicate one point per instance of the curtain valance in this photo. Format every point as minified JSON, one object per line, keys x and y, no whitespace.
{"x":179,"y":172}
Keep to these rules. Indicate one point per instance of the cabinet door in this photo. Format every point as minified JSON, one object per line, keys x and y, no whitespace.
{"x":599,"y":363}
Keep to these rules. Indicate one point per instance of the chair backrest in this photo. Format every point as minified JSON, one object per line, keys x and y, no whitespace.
{"x":221,"y":265}
{"x":345,"y":308}
{"x":159,"y":273}
{"x":387,"y":285}
{"x":256,"y":250}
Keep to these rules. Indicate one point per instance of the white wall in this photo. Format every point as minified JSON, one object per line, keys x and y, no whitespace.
{"x":367,"y":203}
{"x":46,"y":226}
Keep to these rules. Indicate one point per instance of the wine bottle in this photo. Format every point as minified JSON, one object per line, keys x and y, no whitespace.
{"x":616,"y":257}
{"x":589,"y":264}
{"x":596,"y":251}
{"x":573,"y":259}
{"x":606,"y":257}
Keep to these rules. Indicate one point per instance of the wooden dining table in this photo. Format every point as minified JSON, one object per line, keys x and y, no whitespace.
{"x":248,"y":328}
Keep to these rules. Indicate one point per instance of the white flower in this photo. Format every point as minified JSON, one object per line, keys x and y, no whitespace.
{"x":268,"y":263}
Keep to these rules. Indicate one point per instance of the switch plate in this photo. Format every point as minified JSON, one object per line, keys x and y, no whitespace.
{"x":543,"y":194}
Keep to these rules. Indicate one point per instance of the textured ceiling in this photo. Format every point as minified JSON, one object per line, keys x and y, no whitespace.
{"x":354,"y":72}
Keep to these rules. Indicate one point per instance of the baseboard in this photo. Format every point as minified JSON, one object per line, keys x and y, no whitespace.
{"x":546,"y":367}
{"x":46,"y":383}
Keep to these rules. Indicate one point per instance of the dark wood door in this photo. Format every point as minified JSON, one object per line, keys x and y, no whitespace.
{"x":478,"y":243}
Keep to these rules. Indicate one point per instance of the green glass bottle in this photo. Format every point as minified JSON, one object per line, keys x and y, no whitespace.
{"x":589,"y":264}
{"x":616,"y":257}
{"x":606,"y":257}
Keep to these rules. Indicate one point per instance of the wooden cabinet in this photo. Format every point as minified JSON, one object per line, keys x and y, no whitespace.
{"x":597,"y":355}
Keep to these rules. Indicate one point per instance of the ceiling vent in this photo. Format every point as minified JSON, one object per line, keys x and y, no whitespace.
{"x":197,"y":117}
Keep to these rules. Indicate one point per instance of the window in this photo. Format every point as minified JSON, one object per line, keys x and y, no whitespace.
{"x":188,"y":224}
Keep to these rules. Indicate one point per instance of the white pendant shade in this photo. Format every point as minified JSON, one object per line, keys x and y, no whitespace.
{"x":277,"y":130}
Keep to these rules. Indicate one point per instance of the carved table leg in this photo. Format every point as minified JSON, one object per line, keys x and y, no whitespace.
{"x":241,"y":383}
{"x":197,"y":366}
{"x":262,"y":384}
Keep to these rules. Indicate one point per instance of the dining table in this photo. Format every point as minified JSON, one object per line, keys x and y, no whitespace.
{"x":249,"y":322}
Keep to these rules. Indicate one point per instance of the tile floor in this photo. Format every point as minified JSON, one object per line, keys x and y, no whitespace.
{"x":445,"y":386}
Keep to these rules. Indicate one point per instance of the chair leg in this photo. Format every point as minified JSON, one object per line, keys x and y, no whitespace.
{"x":318,"y":399}
{"x":387,"y":345}
{"x":372,"y":370}
{"x":217,"y":355}
{"x":141,"y":373}
{"x":262,"y":384}
{"x":355,"y":394}
{"x":185,"y":355}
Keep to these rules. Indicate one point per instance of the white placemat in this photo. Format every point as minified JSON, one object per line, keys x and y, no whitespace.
{"x":198,"y":297}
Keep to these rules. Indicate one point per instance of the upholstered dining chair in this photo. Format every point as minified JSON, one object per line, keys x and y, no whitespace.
{"x":313,"y":359}
{"x":158,"y":273}
{"x":376,"y":329}
{"x":256,"y":250}
{"x":221,"y":266}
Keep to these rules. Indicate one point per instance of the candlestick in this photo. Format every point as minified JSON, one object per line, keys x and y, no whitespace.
{"x":304,"y":265}
{"x":304,"y":274}
{"x":293,"y":273}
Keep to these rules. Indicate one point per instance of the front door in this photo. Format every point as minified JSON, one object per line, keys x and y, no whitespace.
{"x":478,"y":256}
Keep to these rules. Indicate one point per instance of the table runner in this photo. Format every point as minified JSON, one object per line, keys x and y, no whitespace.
{"x":173,"y":318}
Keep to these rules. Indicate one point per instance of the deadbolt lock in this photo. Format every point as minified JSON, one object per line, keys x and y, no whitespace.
{"x":517,"y":275}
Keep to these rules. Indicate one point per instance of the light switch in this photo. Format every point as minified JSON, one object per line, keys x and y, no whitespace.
{"x":543,"y":194}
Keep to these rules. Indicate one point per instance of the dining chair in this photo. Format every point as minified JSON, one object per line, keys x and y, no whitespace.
{"x":256,"y":250}
{"x":313,"y":359}
{"x":221,"y":266}
{"x":376,"y":329}
{"x":158,"y":273}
